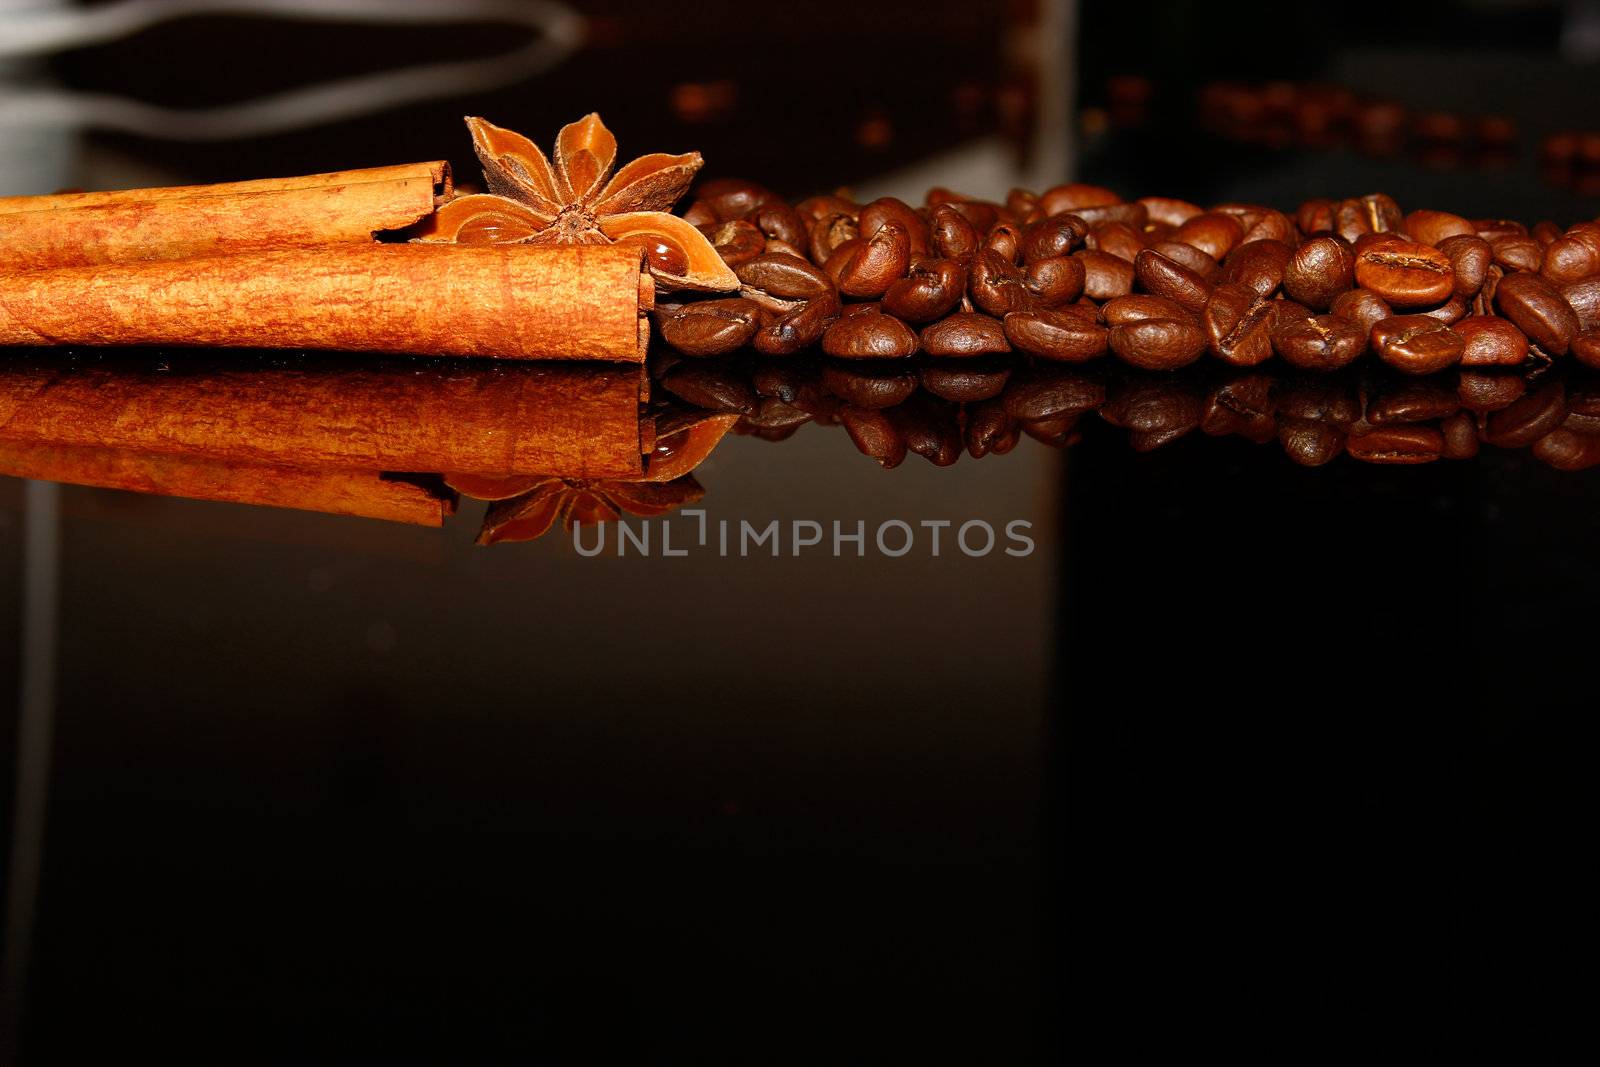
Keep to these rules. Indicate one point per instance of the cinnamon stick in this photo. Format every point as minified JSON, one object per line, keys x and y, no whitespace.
{"x":503,"y":301}
{"x":338,"y":492}
{"x":573,"y":420}
{"x":83,"y":229}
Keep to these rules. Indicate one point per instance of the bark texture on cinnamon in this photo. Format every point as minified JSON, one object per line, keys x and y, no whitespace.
{"x":367,"y":494}
{"x":83,"y":229}
{"x":500,"y":301}
{"x":575,"y":420}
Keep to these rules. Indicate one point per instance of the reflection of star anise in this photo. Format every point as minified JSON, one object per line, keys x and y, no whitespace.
{"x":574,"y":501}
{"x":573,"y":203}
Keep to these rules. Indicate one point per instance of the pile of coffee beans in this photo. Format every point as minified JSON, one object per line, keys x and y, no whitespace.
{"x":938,"y":407}
{"x":1077,"y":273}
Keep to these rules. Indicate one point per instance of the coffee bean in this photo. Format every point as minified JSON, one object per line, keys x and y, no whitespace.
{"x":1319,"y":342}
{"x":1491,"y":342}
{"x":1569,"y":259}
{"x":712,"y":385}
{"x":1361,"y":307}
{"x":1375,"y":213}
{"x":931,"y":427}
{"x":1055,"y":432}
{"x":828,"y":233}
{"x":1545,"y":232}
{"x":1489,"y":229}
{"x":1058,"y":235}
{"x":1258,"y":264}
{"x":1538,"y":309}
{"x":953,"y":237}
{"x":1137,"y":306}
{"x":1056,"y":335}
{"x":1525,"y":421}
{"x":814,"y":208}
{"x":1586,"y":348}
{"x":866,"y":386}
{"x":1269,"y":225}
{"x":1332,"y":400}
{"x":1105,"y":277}
{"x":930,"y":291}
{"x":1319,"y":271}
{"x":1191,"y":257}
{"x":1416,"y":344}
{"x":1434,"y":227}
{"x":1470,"y":258}
{"x":1213,"y":233}
{"x":1238,"y":325}
{"x":1164,"y":408}
{"x":1485,"y":391}
{"x":965,"y":334}
{"x":784,"y":277}
{"x":1450,"y":312}
{"x":1054,"y":282}
{"x":888,"y":209}
{"x":869,"y":336}
{"x":1405,"y":273}
{"x":1117,"y":238}
{"x":778,"y":221}
{"x":1418,"y":401}
{"x":1158,"y":344}
{"x":1133,"y":214}
{"x":737,"y":241}
{"x":1163,"y":277}
{"x":1073,"y":196}
{"x":1169,"y":212}
{"x":986,"y":425}
{"x":708,"y":327}
{"x":1568,"y":451}
{"x":867,"y":266}
{"x":1242,"y":406}
{"x":1315,"y":216}
{"x":1584,"y":299}
{"x":875,"y":434}
{"x":1517,"y":253}
{"x":1005,"y":240}
{"x":1051,"y":392}
{"x":1397,"y":444}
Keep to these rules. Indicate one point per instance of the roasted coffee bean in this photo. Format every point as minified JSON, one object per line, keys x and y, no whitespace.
{"x":1117,"y":238}
{"x":1470,"y":257}
{"x":888,"y":209}
{"x":785,"y":277}
{"x":1158,"y":344}
{"x":734,"y":198}
{"x":1517,"y":253}
{"x":1054,"y":282}
{"x":1163,"y":277}
{"x":953,"y":237}
{"x":737,"y":241}
{"x":867,"y":266}
{"x":1319,"y":342}
{"x":930,"y":291}
{"x":999,"y":286}
{"x":708,"y":327}
{"x":1397,"y":444}
{"x":1136,"y":306}
{"x":1450,"y":312}
{"x":1057,"y":235}
{"x":1421,"y":401}
{"x":1057,"y":432}
{"x":1315,"y":216}
{"x":965,"y":334}
{"x":1169,"y":212}
{"x":1025,"y":205}
{"x":875,"y":434}
{"x":1460,"y":435}
{"x":869,"y":336}
{"x":1522,"y":423}
{"x":1568,"y":451}
{"x":1489,"y":229}
{"x":1243,"y":407}
{"x":982,"y":215}
{"x":1434,"y":227}
{"x":931,"y":428}
{"x":1058,"y":335}
{"x":1416,"y":344}
{"x":1309,"y":443}
{"x":1167,"y":408}
{"x":987,"y":423}
{"x":713,"y":385}
{"x":1133,"y":214}
{"x":1568,"y":259}
{"x":1105,"y":277}
{"x":1545,"y":232}
{"x":1485,"y":391}
{"x":1075,"y":195}
{"x":1213,"y":233}
{"x":828,"y":233}
{"x":780,"y":222}
{"x":1538,"y":309}
{"x":1584,"y":299}
{"x":1191,"y":257}
{"x":1491,"y":342}
{"x":1405,"y":273}
{"x":1362,"y":307}
{"x":866,"y":386}
{"x":1375,"y":213}
{"x":701,"y":213}
{"x":1270,"y":226}
{"x":1238,"y":325}
{"x":1258,"y":264}
{"x":814,"y":208}
{"x":1006,"y":240}
{"x":1050,"y":392}
{"x":773,"y":414}
{"x":1586,"y":348}
{"x":1319,"y":271}
{"x":1330,"y":400}
{"x":775,"y":245}
{"x":966,"y":381}
{"x":803,"y":326}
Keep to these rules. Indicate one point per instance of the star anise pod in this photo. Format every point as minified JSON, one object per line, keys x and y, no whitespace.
{"x":577,"y":200}
{"x":572,"y":500}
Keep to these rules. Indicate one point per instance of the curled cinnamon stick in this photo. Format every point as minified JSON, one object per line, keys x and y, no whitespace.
{"x":367,"y":494}
{"x":573,"y":420}
{"x":82,"y":229}
{"x":503,"y":301}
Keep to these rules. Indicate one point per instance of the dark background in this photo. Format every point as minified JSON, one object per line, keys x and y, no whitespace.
{"x":1245,"y":748}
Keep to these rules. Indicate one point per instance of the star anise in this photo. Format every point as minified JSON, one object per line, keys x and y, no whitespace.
{"x":532,"y":513}
{"x":572,"y":202}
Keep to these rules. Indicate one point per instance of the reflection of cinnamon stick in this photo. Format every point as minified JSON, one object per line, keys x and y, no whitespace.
{"x":513,"y":301}
{"x":80,"y":229}
{"x":337,"y":492}
{"x":574,"y":420}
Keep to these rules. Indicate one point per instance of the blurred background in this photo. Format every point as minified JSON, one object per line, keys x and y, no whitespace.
{"x":1237,"y":739}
